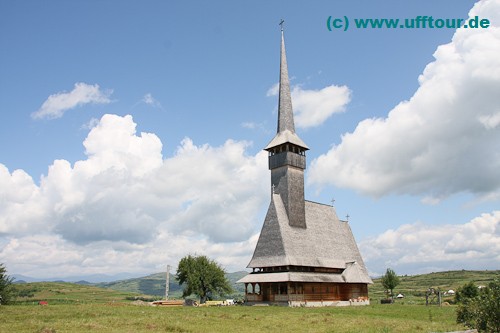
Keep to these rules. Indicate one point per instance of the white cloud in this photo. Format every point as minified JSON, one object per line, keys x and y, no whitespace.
{"x":257,"y":126}
{"x":150,"y":100}
{"x":57,"y":104}
{"x":422,"y":248}
{"x":126,"y":202}
{"x":22,"y":205}
{"x":490,"y":121}
{"x":250,"y":125}
{"x":50,"y":255}
{"x":93,"y":122}
{"x":313,"y":107}
{"x":444,"y":140}
{"x":274,"y":90}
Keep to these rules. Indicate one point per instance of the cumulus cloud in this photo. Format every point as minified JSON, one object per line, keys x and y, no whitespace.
{"x":49,"y":255}
{"x":126,"y":197}
{"x":313,"y":107}
{"x":422,"y":248}
{"x":57,"y":104}
{"x":22,"y":205}
{"x":444,"y":140}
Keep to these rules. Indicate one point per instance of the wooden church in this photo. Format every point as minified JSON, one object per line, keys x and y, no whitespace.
{"x":305,"y":255}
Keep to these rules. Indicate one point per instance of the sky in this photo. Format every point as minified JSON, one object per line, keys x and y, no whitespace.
{"x":131,"y":132}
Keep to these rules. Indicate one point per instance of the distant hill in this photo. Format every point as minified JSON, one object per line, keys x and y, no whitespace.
{"x":417,"y":285}
{"x":413,"y":287}
{"x":154,"y":284}
{"x":93,"y":278}
{"x":69,"y":293}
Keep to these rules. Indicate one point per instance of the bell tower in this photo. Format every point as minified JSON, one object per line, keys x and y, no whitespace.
{"x":287,"y":158}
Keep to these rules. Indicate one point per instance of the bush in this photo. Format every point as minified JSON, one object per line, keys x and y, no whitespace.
{"x":466,"y":292}
{"x":25,"y":293}
{"x":481,"y":311}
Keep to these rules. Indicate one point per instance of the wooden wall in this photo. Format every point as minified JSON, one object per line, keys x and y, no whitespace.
{"x":285,"y":291}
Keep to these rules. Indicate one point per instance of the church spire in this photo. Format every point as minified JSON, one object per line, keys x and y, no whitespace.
{"x":285,"y":110}
{"x":286,"y":126}
{"x":287,"y":158}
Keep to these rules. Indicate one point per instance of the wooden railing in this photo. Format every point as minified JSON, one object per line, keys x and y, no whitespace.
{"x":281,"y":298}
{"x":324,"y":297}
{"x":292,"y":297}
{"x":296,"y":297}
{"x":254,"y":298}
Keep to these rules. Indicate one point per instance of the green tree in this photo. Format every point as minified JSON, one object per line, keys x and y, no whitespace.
{"x":482,"y":310}
{"x":6,"y":289}
{"x":466,"y":292}
{"x":390,"y":280}
{"x":203,"y":277}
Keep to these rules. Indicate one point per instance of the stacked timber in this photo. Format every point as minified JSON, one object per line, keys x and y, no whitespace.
{"x":173,"y":302}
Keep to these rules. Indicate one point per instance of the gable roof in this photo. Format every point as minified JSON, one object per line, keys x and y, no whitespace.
{"x":326,"y":242}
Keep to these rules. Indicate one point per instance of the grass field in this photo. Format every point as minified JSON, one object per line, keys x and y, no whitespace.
{"x":122,"y":317}
{"x":83,"y":308}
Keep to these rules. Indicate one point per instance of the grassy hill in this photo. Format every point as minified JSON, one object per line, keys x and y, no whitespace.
{"x":68,"y":293}
{"x":414,"y":287}
{"x":154,"y":284}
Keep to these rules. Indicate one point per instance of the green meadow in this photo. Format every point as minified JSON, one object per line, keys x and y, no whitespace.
{"x":123,"y":317}
{"x":85,"y":308}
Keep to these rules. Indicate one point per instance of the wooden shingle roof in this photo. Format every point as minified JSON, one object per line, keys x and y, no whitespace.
{"x":326,"y":242}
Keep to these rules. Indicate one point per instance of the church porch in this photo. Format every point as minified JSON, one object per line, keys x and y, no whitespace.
{"x":306,"y":294}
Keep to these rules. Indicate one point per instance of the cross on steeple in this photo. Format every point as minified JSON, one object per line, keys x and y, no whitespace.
{"x":281,"y":24}
{"x":333,"y":202}
{"x":347,"y":217}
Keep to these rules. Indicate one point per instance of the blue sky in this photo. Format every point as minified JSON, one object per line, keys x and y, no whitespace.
{"x":403,"y":126}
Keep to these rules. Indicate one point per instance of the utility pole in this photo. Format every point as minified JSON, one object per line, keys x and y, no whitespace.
{"x":167,"y":285}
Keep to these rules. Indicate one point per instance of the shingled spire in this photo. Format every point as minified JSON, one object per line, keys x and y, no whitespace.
{"x":286,"y":126}
{"x":287,"y":158}
{"x":285,"y":114}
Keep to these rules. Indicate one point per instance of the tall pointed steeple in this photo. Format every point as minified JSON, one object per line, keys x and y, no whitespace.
{"x":285,"y":114}
{"x":286,"y":126}
{"x":287,"y":158}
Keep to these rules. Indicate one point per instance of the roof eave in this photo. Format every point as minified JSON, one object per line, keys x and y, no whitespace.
{"x":286,"y":136}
